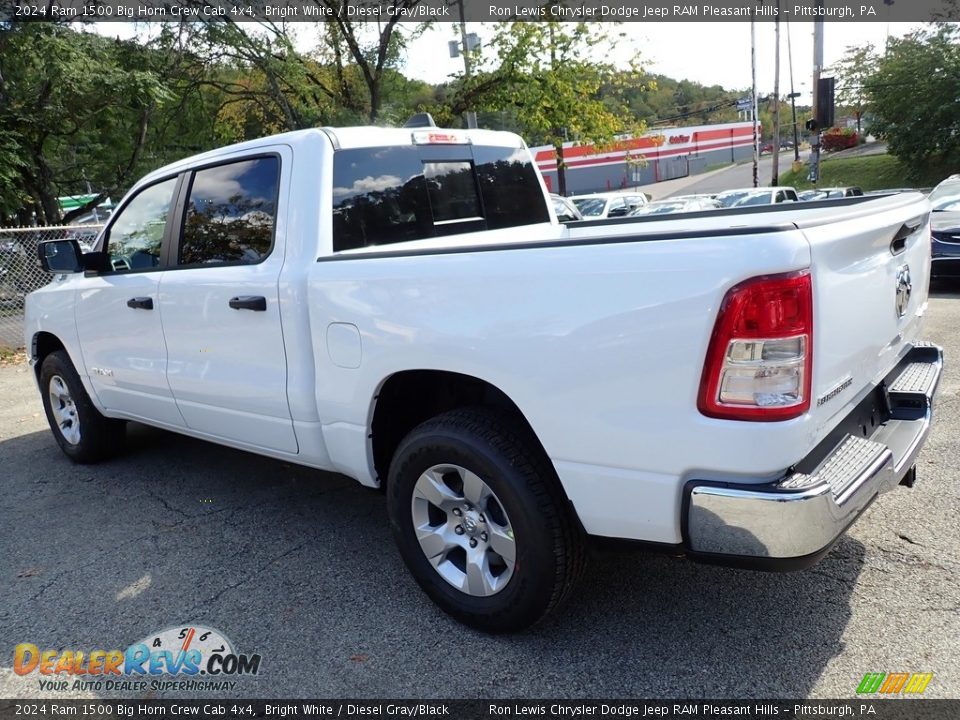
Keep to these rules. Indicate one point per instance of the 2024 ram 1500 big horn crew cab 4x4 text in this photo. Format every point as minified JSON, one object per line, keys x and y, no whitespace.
{"x":400,"y":305}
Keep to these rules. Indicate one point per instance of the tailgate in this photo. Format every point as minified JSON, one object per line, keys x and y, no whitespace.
{"x":871,"y":271}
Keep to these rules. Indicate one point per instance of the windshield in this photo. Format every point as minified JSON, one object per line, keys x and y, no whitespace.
{"x":757,"y":199}
{"x":563,"y":208}
{"x":590,"y":207}
{"x":946,"y":197}
{"x":660,"y":208}
{"x":728,"y":199}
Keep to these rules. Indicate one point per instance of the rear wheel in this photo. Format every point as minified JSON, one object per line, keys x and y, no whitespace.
{"x":84,"y":435}
{"x":481,"y":521}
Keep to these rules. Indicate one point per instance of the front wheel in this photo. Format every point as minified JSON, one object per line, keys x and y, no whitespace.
{"x":84,"y":435}
{"x":481,"y":522}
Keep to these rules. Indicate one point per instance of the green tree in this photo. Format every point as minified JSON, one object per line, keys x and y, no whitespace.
{"x":345,"y":78}
{"x":76,"y":109}
{"x":542,"y":74}
{"x":913,"y":97}
{"x":852,"y":73}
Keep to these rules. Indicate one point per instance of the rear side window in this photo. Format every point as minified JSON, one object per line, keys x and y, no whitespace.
{"x":395,"y":194}
{"x":231,"y":213}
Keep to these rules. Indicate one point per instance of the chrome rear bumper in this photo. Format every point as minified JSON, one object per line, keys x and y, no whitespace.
{"x":790,"y":523}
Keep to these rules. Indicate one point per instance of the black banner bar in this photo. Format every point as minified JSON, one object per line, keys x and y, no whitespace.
{"x":873,"y":708}
{"x":479,"y":10}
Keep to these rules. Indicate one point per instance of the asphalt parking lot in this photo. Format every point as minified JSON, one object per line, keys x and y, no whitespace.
{"x":299,"y":566}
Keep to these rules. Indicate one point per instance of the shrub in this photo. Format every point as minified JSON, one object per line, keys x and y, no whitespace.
{"x":838,"y":139}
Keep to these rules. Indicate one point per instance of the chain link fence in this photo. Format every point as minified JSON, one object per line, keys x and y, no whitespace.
{"x":20,"y":271}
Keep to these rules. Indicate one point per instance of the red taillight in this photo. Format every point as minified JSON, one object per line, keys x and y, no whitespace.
{"x":759,"y":361}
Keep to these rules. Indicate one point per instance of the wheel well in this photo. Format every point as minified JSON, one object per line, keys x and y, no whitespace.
{"x":44,"y":343}
{"x":411,"y":397}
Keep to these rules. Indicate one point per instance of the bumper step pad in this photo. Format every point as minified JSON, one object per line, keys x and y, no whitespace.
{"x":798,"y":517}
{"x":916,"y":379}
{"x":848,"y":461}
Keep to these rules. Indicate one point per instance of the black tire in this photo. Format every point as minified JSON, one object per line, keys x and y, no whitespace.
{"x":95,"y":437}
{"x":549,"y":542}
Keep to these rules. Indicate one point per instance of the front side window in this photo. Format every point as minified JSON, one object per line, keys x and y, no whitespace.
{"x":231,"y":213}
{"x":136,"y":234}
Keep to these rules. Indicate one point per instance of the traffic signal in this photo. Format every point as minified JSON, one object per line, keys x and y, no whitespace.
{"x":825,"y":100}
{"x":825,"y":92}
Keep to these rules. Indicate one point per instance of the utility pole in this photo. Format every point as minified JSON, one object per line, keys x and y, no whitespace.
{"x":471,"y":115}
{"x":817,"y":68}
{"x":775,"y":177}
{"x":793,"y":99}
{"x":753,"y":101}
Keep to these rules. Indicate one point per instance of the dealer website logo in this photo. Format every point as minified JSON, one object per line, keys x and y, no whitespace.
{"x":172,"y":659}
{"x":894,"y":683}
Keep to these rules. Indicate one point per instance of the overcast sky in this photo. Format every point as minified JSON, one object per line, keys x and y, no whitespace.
{"x":716,"y":53}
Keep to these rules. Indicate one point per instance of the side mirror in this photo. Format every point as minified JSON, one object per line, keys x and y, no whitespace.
{"x":61,"y":256}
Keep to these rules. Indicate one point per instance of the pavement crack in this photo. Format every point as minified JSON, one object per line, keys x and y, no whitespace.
{"x":252,"y":576}
{"x":163,"y":501}
{"x":272,"y":561}
{"x":913,"y":560}
{"x":908,"y":539}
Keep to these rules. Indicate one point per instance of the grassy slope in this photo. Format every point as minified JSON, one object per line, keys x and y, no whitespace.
{"x":872,"y":172}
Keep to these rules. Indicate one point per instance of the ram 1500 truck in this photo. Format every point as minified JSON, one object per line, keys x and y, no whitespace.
{"x":401,"y":305}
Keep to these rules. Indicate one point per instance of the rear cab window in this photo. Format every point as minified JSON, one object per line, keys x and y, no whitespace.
{"x":386,"y":195}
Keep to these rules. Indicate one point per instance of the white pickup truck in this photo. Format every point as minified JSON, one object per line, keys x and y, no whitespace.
{"x":400,"y":305}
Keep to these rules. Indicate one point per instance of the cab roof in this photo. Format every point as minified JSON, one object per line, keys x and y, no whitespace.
{"x":348,"y":138}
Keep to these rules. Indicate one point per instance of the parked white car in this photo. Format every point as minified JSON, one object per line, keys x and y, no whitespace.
{"x":675,"y":205}
{"x":398,"y":305}
{"x":746,"y":197}
{"x":598,"y":206}
{"x":565,"y":210}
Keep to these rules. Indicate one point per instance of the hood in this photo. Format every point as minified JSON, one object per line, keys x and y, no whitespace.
{"x":945,"y":221}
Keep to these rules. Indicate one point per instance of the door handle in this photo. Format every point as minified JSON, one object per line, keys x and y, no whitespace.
{"x":899,"y":242}
{"x":143,"y":303}
{"x":249,"y":302}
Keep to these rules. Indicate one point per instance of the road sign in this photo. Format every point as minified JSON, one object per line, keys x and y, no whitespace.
{"x":744,"y":104}
{"x":454,"y":46}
